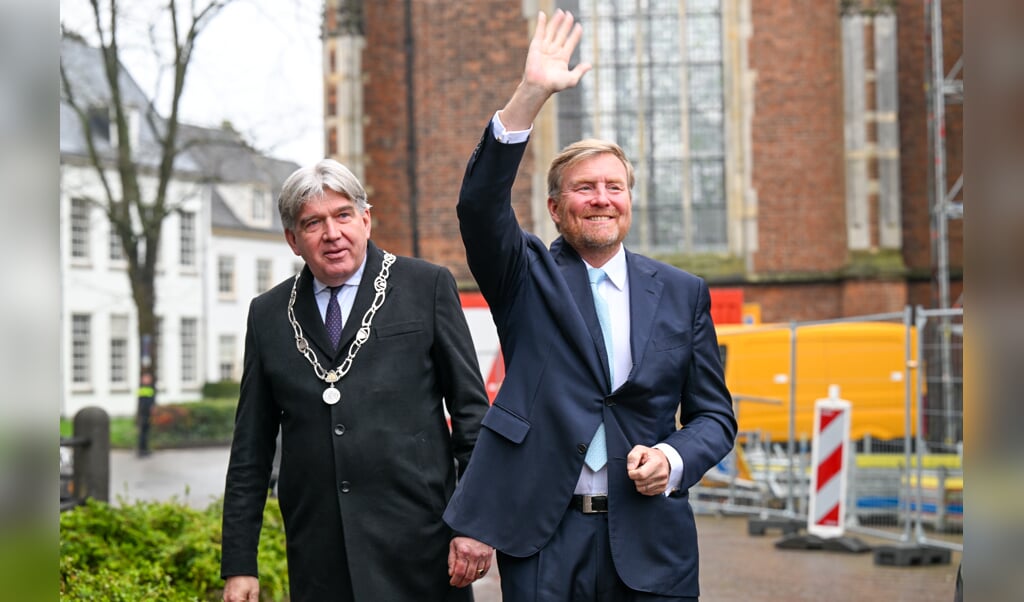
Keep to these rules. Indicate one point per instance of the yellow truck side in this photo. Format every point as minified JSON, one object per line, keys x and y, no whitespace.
{"x":868,"y":360}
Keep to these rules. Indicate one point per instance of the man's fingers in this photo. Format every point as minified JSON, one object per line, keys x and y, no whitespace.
{"x":637,"y":457}
{"x":561,"y":27}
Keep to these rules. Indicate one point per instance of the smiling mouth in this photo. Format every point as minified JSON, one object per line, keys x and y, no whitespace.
{"x":600,"y":218}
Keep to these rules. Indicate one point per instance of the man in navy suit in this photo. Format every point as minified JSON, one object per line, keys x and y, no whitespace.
{"x":580,"y":477}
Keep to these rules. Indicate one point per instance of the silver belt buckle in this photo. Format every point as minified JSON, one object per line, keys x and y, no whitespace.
{"x":588,"y":504}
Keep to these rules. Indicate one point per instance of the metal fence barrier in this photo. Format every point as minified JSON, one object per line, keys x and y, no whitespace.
{"x":905,"y":482}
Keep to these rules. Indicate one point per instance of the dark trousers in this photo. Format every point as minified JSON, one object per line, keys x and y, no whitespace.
{"x":575,"y":566}
{"x":145,"y":409}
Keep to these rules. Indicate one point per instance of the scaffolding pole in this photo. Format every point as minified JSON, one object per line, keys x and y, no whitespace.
{"x":940,"y":89}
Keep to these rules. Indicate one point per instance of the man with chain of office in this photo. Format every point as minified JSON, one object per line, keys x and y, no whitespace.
{"x":356,"y":360}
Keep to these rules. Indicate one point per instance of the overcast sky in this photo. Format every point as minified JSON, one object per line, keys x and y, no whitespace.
{"x":258,"y":64}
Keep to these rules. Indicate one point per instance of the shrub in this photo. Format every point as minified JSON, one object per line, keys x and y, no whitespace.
{"x":158,"y":551}
{"x":225,"y":389}
{"x":208,"y":422}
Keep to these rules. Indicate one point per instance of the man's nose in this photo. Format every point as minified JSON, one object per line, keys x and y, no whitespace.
{"x":332,"y":229}
{"x":601,"y":196}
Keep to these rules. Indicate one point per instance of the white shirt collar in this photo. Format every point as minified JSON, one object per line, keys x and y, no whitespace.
{"x":353,"y":280}
{"x":615,"y":268}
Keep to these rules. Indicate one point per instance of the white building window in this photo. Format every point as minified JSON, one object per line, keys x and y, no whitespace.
{"x":226,"y":363}
{"x":264,"y":275}
{"x":81,"y":345}
{"x":80,"y":210}
{"x":226,"y":276}
{"x":187,"y":243}
{"x":189,"y":350}
{"x":260,"y":204}
{"x":119,"y":350}
{"x":99,"y":123}
{"x":116,"y":253}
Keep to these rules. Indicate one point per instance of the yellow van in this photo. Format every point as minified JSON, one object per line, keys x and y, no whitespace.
{"x":868,"y":360}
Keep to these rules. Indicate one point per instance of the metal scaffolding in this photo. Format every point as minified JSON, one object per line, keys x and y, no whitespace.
{"x":946,"y":202}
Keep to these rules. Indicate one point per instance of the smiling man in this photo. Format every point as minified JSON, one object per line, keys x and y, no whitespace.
{"x":580,"y":476}
{"x":355,"y":359}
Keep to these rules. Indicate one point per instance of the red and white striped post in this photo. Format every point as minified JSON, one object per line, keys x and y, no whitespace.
{"x":830,"y":459}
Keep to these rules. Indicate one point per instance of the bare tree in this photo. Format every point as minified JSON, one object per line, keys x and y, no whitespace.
{"x":136,"y":212}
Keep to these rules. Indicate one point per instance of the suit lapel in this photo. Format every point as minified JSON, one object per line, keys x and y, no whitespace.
{"x":574,"y":272}
{"x":364,"y":295}
{"x":307,"y":313}
{"x":644,"y":295}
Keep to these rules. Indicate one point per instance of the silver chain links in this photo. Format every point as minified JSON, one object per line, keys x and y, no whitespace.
{"x":380,"y":288}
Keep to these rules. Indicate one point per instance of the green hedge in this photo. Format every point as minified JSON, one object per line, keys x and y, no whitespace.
{"x":207,"y":422}
{"x":158,"y":551}
{"x":225,"y":389}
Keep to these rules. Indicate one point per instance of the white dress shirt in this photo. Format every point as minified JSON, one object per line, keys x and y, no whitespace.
{"x":346,"y":296}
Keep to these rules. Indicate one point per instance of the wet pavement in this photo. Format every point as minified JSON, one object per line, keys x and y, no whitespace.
{"x":735,"y":567}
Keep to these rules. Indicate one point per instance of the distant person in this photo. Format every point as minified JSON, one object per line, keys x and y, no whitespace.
{"x":580,"y":479}
{"x":356,"y":359}
{"x":146,"y":399}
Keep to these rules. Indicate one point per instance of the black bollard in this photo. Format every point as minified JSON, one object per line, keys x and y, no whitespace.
{"x":92,"y":458}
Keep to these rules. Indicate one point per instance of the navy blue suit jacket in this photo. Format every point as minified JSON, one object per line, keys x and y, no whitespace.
{"x":556,"y":391}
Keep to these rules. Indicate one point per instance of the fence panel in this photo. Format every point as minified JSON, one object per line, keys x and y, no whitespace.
{"x":906,"y":480}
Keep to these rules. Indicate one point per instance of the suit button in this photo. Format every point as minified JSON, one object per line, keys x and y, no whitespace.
{"x":345,"y":487}
{"x":339,"y":429}
{"x":582,"y":448}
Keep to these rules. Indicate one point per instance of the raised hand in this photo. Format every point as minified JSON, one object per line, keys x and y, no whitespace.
{"x":547,"y":62}
{"x":547,"y":69}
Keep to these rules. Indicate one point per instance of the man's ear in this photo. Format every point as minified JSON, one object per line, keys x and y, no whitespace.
{"x":553,"y":209}
{"x":290,"y":237}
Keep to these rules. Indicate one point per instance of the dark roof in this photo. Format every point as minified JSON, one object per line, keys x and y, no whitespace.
{"x":83,"y":65}
{"x":212,"y":155}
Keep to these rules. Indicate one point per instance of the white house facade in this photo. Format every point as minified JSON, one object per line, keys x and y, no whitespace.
{"x":224,"y":195}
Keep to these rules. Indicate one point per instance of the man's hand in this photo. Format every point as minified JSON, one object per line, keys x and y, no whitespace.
{"x":242,"y":588}
{"x":649,"y":469}
{"x":547,"y":62}
{"x":468,"y":560}
{"x":547,"y":69}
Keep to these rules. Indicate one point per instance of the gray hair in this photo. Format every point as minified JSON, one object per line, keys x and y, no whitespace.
{"x":310,"y":182}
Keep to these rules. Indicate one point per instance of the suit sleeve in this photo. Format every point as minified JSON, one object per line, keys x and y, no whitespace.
{"x":491,"y":234}
{"x":249,"y":466}
{"x":458,"y":370}
{"x":709,"y":423}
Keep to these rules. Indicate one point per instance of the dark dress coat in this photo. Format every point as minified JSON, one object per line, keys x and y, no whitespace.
{"x":362,"y":483}
{"x":555,"y":393}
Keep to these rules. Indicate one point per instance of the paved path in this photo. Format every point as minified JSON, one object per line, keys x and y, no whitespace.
{"x":735,"y":567}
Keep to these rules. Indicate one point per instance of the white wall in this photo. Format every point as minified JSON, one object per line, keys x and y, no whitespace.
{"x":99,"y":287}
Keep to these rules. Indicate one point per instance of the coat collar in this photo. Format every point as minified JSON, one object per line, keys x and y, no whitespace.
{"x":308,"y":314}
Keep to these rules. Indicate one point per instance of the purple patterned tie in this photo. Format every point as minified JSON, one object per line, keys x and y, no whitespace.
{"x":333,"y":318}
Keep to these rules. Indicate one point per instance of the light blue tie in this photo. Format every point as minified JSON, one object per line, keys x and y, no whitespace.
{"x":597,"y":453}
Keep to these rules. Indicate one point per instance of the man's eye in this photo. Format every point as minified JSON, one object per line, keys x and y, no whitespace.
{"x":616,"y":188}
{"x":311,"y":225}
{"x":584,"y":188}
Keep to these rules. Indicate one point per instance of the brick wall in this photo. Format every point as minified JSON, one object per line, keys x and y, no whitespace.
{"x":468,"y":59}
{"x":915,"y":146}
{"x":797,"y":131}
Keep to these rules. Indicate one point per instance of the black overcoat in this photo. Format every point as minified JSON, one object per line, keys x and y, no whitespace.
{"x":363,"y":483}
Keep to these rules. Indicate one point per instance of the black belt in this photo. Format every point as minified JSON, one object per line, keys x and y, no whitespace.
{"x":589,"y":504}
